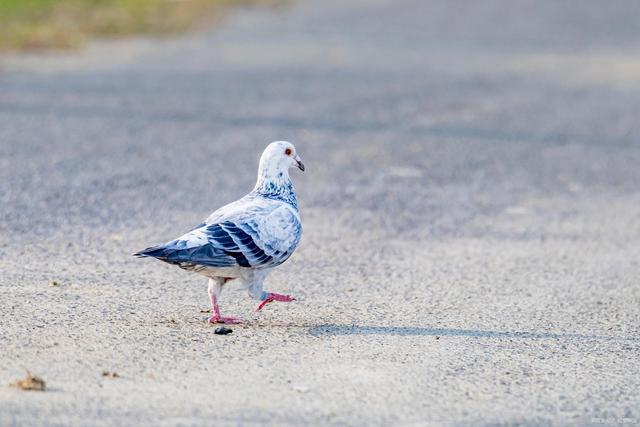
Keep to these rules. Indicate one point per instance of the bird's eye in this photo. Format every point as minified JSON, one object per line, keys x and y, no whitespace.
{"x":287,"y":151}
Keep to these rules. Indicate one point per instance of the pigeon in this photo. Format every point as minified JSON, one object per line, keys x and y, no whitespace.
{"x":244,"y":240}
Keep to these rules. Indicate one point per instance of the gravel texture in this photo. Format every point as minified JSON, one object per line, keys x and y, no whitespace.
{"x":471,"y":208}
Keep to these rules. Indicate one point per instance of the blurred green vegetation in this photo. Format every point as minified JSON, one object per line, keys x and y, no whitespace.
{"x":42,"y":24}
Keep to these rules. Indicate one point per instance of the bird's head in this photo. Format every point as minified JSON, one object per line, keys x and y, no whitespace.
{"x":277,"y":158}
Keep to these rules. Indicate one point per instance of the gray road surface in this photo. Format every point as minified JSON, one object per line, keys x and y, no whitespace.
{"x":471,"y":209}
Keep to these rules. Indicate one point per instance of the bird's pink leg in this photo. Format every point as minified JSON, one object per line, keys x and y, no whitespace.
{"x":216,"y":318}
{"x":272,"y":296}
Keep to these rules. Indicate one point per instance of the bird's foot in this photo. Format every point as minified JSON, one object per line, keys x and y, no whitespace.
{"x":271,"y":296}
{"x":227,"y":320}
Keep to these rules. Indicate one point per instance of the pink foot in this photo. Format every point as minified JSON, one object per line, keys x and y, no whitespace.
{"x":271,"y":296}
{"x":216,"y":318}
{"x":228,"y":320}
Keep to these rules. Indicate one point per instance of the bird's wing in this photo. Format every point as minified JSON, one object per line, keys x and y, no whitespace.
{"x":259,"y":234}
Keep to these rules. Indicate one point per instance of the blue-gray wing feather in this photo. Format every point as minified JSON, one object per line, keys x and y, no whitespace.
{"x":259,"y":237}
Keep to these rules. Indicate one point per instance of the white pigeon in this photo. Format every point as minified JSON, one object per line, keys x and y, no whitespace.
{"x":246,"y":239}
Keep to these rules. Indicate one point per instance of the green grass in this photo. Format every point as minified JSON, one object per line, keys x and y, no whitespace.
{"x":43,"y":24}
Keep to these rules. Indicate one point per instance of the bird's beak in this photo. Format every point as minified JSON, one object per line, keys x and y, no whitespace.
{"x":299,"y":162}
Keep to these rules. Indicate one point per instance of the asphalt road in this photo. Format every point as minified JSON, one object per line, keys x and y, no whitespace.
{"x":471,"y":209}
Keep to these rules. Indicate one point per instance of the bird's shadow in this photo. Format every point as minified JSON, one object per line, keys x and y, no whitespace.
{"x":338,"y":330}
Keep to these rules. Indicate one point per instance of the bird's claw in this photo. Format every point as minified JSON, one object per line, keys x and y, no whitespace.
{"x":274,"y":297}
{"x":226,"y":320}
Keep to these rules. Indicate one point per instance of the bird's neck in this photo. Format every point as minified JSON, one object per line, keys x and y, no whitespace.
{"x":277,"y":185}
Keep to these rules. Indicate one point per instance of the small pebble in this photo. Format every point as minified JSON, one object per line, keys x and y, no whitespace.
{"x":222,"y":330}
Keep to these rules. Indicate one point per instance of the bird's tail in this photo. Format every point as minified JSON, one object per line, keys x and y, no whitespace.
{"x":159,"y":252}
